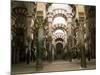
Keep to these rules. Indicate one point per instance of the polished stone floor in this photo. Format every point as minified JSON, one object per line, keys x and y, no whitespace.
{"x":58,"y":65}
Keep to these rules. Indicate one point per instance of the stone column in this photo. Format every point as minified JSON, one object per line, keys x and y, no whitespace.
{"x":29,"y":37}
{"x":53,"y":52}
{"x":81,"y":20}
{"x":39,"y":42}
{"x":50,"y":39}
{"x":82,"y":46}
{"x":69,"y":51}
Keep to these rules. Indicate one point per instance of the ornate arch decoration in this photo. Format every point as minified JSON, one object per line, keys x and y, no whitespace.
{"x":60,"y":13}
{"x":59,"y":26}
{"x":59,"y":39}
{"x":19,"y":11}
{"x":73,"y":9}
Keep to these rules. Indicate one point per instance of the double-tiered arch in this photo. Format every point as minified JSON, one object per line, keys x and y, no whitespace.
{"x":58,"y":15}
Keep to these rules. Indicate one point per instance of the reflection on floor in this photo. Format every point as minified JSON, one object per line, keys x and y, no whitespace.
{"x":53,"y":66}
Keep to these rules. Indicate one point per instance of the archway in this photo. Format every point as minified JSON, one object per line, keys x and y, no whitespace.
{"x":59,"y":17}
{"x":59,"y":51}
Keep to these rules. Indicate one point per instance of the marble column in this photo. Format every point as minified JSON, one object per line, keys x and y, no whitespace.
{"x":39,"y":42}
{"x":82,"y":47}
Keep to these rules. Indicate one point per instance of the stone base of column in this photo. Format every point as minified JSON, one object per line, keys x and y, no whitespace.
{"x":39,"y":65}
{"x":70,"y":60}
{"x":83,"y":58}
{"x":83,"y":64}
